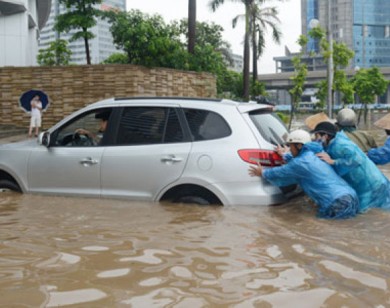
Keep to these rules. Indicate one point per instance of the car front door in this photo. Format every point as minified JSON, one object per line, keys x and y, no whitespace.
{"x":151,"y":152}
{"x":71,"y":165}
{"x":62,"y":170}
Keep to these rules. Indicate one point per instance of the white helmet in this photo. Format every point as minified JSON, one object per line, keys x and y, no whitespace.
{"x":298,"y":136}
{"x":346,"y":117}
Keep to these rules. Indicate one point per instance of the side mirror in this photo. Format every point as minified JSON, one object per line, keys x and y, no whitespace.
{"x":44,"y":139}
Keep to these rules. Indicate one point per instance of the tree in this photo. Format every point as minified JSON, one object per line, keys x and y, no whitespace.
{"x":191,"y":25}
{"x":117,"y":58}
{"x":252,"y":9}
{"x":57,"y":53}
{"x":80,"y":15}
{"x":369,"y":83}
{"x":261,"y":19}
{"x":298,"y":79}
{"x":208,"y":34}
{"x":147,"y":40}
{"x":342,"y":55}
{"x":214,"y":4}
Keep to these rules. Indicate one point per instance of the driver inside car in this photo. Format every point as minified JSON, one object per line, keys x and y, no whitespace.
{"x":96,"y":137}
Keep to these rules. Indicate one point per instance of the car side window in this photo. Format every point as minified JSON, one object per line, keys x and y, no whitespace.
{"x":149,"y":125}
{"x":206,"y":125}
{"x":85,"y":130}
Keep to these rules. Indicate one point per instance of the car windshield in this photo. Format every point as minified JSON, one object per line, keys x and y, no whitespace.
{"x":270,"y":127}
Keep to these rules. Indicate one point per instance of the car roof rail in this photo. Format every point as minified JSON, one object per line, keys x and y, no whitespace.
{"x":170,"y":98}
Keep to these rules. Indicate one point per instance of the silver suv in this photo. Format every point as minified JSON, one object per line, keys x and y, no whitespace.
{"x":154,"y":149}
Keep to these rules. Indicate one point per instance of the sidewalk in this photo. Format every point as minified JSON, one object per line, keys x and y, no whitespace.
{"x":11,"y":133}
{"x":14,"y":138}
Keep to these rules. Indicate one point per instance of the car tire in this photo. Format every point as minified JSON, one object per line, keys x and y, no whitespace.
{"x":7,"y":185}
{"x":192,"y":199}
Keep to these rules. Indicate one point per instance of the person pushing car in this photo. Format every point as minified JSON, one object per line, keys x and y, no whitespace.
{"x":333,"y":196}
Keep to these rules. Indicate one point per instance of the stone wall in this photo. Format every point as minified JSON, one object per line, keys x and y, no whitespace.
{"x":72,"y":87}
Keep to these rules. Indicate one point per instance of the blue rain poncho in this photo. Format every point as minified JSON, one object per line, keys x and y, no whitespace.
{"x":381,"y":155}
{"x":333,"y":196}
{"x":371,"y":186}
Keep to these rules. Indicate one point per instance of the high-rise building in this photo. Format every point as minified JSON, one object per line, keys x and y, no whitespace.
{"x":20,"y":24}
{"x":101,"y":46}
{"x":363,"y":25}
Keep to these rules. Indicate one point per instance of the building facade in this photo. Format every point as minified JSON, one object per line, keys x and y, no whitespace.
{"x":101,"y":46}
{"x":363,"y":25}
{"x":237,"y":64}
{"x":21,"y":22}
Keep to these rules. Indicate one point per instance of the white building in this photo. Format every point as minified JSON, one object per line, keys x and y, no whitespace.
{"x":101,"y":46}
{"x":20,"y":25}
{"x":238,"y":63}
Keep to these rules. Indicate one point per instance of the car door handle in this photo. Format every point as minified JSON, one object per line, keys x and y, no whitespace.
{"x":171,"y":159}
{"x":88,"y":161}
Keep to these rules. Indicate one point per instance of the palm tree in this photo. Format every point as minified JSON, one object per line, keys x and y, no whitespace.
{"x":214,"y":4}
{"x":261,"y":19}
{"x":256,"y":19}
{"x":191,"y":25}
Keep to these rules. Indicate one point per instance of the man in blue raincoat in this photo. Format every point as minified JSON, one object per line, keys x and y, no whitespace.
{"x":334,"y":197}
{"x":349,"y":162}
{"x":381,"y":155}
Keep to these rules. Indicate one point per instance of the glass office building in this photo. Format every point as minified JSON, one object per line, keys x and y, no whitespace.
{"x":371,"y":32}
{"x":311,"y":18}
{"x":363,"y":25}
{"x":101,"y":46}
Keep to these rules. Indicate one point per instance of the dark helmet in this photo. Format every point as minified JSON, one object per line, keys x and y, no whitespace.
{"x":103,"y":115}
{"x":325,"y":127}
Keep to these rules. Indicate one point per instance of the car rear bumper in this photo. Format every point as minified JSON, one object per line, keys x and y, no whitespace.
{"x":252,"y":193}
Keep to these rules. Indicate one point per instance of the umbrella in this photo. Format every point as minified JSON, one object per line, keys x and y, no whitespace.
{"x":26,"y":97}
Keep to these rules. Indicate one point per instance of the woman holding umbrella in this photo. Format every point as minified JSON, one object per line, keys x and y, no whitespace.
{"x":36,"y":119}
{"x":34,"y":102}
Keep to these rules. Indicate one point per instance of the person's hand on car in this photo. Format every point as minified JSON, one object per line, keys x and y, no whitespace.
{"x":255,"y":170}
{"x":281,"y":150}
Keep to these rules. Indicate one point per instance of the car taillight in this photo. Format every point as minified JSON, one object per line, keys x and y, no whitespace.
{"x":264,"y":157}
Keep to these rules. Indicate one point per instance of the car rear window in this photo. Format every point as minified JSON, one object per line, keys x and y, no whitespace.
{"x":206,"y":125}
{"x":270,"y":127}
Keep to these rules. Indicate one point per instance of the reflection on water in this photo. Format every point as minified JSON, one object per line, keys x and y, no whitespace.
{"x":57,"y":252}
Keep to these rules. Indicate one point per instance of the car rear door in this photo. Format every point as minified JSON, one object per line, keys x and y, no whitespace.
{"x":150,"y":152}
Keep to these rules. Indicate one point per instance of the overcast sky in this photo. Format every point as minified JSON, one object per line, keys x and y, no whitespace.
{"x":289,"y":14}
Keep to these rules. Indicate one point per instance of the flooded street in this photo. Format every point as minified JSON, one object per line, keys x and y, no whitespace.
{"x":84,"y":252}
{"x":58,"y":251}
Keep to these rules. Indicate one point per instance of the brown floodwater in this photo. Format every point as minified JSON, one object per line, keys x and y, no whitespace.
{"x":84,"y":252}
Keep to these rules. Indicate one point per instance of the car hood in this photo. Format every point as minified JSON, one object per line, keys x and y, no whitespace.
{"x":25,"y":144}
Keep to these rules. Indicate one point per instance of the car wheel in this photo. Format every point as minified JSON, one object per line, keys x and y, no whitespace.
{"x":7,"y":185}
{"x":192,"y":199}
